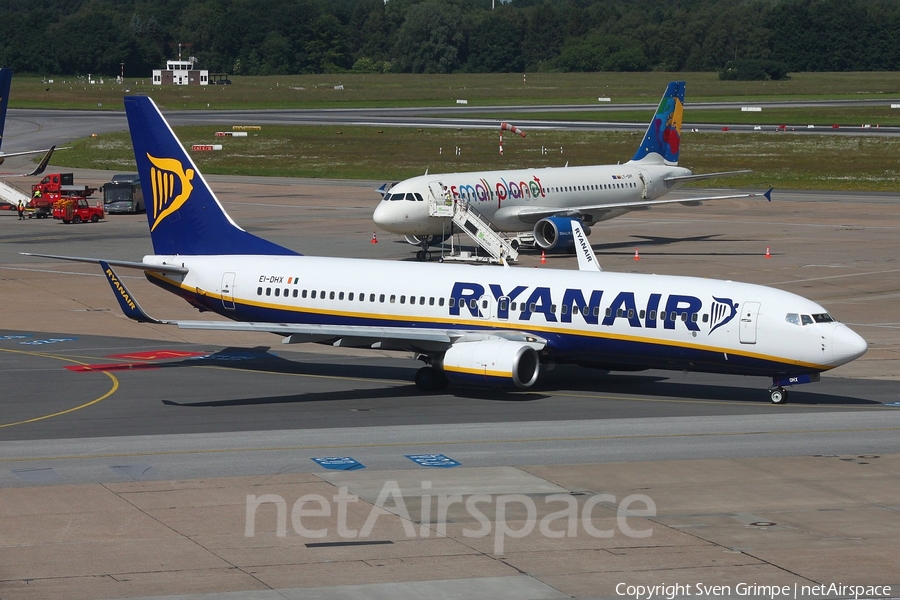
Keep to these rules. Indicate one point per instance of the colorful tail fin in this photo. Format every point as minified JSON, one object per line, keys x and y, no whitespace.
{"x":5,"y":83}
{"x":184,"y":214}
{"x":663,"y":138}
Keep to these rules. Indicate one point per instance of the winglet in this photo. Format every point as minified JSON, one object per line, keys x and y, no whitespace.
{"x":43,"y":164}
{"x":587,"y":260}
{"x":385,"y":187}
{"x":768,"y":194}
{"x":127,"y":302}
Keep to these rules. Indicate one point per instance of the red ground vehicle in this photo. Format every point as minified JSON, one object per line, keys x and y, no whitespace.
{"x":77,"y":210}
{"x":58,"y":187}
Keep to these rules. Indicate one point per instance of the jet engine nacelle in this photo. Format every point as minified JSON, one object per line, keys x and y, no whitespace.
{"x":555,"y":233}
{"x":501,"y":363}
{"x":433,"y":240}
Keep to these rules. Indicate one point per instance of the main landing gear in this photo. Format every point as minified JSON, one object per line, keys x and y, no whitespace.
{"x":423,"y":255}
{"x":429,"y":379}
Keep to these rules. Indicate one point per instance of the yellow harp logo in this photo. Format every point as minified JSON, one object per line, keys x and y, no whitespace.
{"x":171,"y":185}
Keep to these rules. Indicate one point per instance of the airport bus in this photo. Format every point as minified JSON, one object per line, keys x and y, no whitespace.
{"x":123,"y":194}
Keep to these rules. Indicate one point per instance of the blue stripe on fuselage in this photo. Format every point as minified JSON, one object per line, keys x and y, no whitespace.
{"x":592,"y":347}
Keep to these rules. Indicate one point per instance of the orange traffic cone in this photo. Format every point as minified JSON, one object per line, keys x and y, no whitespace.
{"x":768,"y":254}
{"x":374,"y":239}
{"x":543,"y":258}
{"x":636,"y":255}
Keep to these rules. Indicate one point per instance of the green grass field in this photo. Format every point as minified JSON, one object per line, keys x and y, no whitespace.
{"x":778,"y":159}
{"x":317,"y":91}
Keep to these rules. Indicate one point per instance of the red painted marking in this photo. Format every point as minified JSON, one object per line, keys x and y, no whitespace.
{"x":157,"y":355}
{"x":111,"y":367}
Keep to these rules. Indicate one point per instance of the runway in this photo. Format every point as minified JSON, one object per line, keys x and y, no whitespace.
{"x":119,"y":439}
{"x":28,"y":129}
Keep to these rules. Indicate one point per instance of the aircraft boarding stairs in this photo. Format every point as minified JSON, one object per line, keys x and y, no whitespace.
{"x":11,"y":194}
{"x":467,"y":220}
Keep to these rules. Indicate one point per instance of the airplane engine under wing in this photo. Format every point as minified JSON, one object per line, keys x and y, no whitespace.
{"x":502,"y":363}
{"x":433,"y":240}
{"x":555,"y":233}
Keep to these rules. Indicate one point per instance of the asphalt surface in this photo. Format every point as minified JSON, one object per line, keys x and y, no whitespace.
{"x":28,"y":129}
{"x":60,"y":316}
{"x":128,"y":452}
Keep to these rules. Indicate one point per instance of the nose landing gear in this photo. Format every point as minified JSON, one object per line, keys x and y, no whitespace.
{"x":778,"y":395}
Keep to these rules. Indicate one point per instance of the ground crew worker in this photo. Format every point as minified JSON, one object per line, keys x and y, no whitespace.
{"x":20,"y":207}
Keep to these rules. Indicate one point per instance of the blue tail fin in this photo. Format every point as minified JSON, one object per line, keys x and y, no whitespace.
{"x":663,"y":138}
{"x":5,"y":83}
{"x":184,"y":214}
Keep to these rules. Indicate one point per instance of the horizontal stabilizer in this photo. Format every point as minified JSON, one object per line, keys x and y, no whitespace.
{"x":116,"y":263}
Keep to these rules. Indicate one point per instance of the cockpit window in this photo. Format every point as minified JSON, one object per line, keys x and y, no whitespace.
{"x":397,"y":197}
{"x":411,"y":197}
{"x":806,"y":319}
{"x":793,"y":318}
{"x":823,"y":318}
{"x":419,"y":197}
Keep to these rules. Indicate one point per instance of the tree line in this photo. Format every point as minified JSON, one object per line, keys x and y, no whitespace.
{"x":273,"y":37}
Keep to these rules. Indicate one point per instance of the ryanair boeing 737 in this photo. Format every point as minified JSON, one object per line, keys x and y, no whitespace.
{"x":546,"y":201}
{"x":468,"y":324}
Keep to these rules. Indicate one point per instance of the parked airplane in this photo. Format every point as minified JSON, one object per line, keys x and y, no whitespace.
{"x":468,"y":324}
{"x":546,"y":200}
{"x":5,"y":84}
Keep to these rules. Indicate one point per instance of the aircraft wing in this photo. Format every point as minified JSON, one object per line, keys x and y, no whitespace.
{"x":702,"y":176}
{"x":354,"y":336}
{"x":38,"y":169}
{"x":599,"y":212}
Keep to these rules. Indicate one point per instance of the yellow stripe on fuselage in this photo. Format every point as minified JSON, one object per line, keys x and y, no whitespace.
{"x":495,"y":324}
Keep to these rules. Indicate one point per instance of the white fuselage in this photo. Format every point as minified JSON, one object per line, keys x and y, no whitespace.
{"x":600,"y":318}
{"x":504,"y":197}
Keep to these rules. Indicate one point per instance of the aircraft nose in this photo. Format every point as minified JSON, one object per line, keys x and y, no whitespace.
{"x":847,"y":345}
{"x":387,"y":216}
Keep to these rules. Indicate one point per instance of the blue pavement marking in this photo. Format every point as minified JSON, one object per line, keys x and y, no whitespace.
{"x":49,"y":341}
{"x":892,"y":404}
{"x":15,"y":337}
{"x":433,"y":460}
{"x":339,"y":463}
